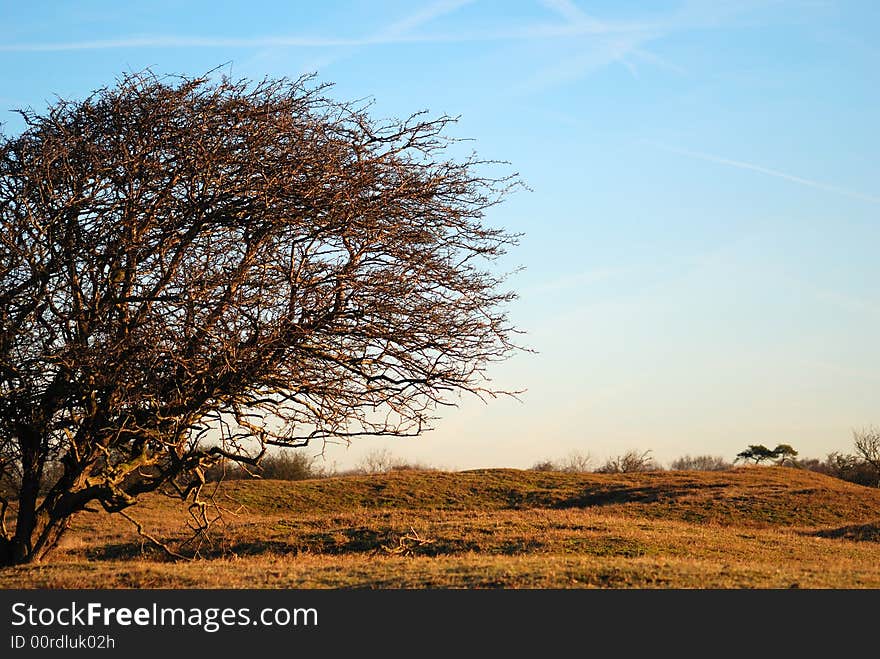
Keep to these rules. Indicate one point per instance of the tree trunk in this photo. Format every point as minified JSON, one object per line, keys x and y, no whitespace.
{"x":20,"y":548}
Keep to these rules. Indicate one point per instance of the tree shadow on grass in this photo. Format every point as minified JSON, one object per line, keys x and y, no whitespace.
{"x":125,"y":551}
{"x":358,"y":540}
{"x":385,"y":541}
{"x":857,"y":532}
{"x":618,"y":494}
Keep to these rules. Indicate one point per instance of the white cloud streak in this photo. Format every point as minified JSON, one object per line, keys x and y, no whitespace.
{"x":564,"y":8}
{"x":422,"y":17}
{"x":396,"y":33}
{"x":739,"y":164}
{"x":180,"y":42}
{"x":610,"y":45}
{"x":397,"y":29}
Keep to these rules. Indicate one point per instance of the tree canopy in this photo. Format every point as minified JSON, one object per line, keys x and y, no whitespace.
{"x":758,"y":453}
{"x":193,"y":270}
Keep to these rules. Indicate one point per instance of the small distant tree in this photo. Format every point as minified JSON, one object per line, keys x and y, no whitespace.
{"x":755,"y":452}
{"x":577,"y":463}
{"x":377,"y":461}
{"x":629,"y":462}
{"x":784,"y":452}
{"x":758,"y":453}
{"x":867,"y":445}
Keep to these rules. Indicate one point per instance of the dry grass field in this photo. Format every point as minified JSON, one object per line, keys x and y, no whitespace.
{"x":751,"y":527}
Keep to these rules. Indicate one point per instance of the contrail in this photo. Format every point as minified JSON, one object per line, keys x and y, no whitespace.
{"x":392,"y":35}
{"x":180,"y":42}
{"x":769,"y":172}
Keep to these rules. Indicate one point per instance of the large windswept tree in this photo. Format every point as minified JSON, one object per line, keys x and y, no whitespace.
{"x":191,"y":271}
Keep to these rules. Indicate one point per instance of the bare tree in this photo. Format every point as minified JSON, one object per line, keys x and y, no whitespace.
{"x":377,"y":461}
{"x":191,"y":271}
{"x":630,"y":462}
{"x":700,"y":463}
{"x":867,"y":445}
{"x":575,"y":462}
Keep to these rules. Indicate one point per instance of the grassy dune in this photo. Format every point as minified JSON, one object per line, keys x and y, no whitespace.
{"x":752,"y":527}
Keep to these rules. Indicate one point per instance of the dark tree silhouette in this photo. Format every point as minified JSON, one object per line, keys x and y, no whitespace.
{"x":193,"y":270}
{"x":759,"y":453}
{"x":784,"y":452}
{"x":867,"y":445}
{"x":756,"y":452}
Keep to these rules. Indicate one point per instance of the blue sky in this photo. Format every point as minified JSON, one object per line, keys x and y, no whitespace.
{"x":701,"y":233}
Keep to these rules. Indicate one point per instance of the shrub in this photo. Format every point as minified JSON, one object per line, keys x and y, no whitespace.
{"x":574,"y":463}
{"x":867,"y":445}
{"x":288,"y":465}
{"x":382,"y":461}
{"x":846,"y":467}
{"x":629,"y":462}
{"x":401,"y":465}
{"x":701,"y":463}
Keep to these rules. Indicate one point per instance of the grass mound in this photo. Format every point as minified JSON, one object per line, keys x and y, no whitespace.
{"x":748,"y":527}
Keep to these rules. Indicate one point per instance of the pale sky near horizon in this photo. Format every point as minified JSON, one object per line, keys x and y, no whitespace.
{"x":700,"y":267}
